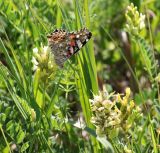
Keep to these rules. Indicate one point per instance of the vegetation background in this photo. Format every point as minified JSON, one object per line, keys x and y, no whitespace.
{"x":44,"y":108}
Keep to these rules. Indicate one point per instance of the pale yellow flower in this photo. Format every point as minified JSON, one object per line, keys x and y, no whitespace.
{"x":135,"y":20}
{"x":43,"y":61}
{"x":113,"y":111}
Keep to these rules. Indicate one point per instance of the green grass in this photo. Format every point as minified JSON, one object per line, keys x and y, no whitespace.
{"x":41,"y":114}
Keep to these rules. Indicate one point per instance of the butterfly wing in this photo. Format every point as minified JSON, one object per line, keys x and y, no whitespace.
{"x":78,"y":40}
{"x":64,"y":44}
{"x":58,"y":43}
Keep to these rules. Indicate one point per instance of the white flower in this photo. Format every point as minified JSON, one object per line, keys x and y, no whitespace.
{"x":35,"y":50}
{"x":43,"y":61}
{"x":97,"y":98}
{"x":38,"y":56}
{"x":45,"y":49}
{"x":35,"y":63}
{"x":126,"y":150}
{"x":26,"y":6}
{"x":142,"y":18}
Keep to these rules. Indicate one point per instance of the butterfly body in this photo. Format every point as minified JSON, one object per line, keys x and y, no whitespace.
{"x":65,"y":44}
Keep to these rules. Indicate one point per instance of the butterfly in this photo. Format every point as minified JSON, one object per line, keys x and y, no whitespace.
{"x":64,"y":44}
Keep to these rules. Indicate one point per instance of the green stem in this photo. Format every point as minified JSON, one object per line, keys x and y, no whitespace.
{"x":5,"y":140}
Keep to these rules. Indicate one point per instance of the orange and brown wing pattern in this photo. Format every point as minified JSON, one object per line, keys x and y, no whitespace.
{"x":64,"y":44}
{"x":58,"y":41}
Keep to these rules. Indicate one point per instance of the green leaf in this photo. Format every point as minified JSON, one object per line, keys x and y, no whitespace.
{"x":9,"y":125}
{"x":24,"y":146}
{"x":6,"y":150}
{"x":8,"y":110}
{"x":2,"y":118}
{"x":20,"y":136}
{"x":106,"y":144}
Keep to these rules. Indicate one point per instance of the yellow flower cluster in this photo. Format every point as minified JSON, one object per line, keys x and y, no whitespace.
{"x":135,"y":20}
{"x":113,"y":112}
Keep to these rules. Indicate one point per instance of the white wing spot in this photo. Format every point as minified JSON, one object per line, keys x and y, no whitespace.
{"x":77,"y":36}
{"x":79,"y":44}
